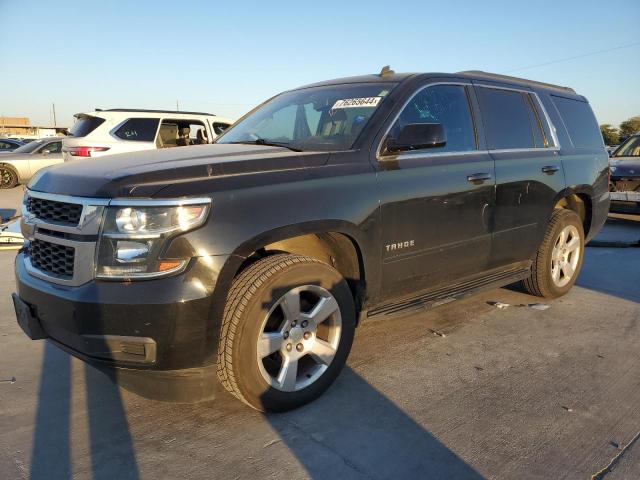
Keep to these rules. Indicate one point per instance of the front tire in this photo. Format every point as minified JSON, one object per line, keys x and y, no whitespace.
{"x":287,"y":330}
{"x":559,"y":258}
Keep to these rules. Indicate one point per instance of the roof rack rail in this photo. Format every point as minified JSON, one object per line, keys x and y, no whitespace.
{"x":149,"y":111}
{"x":508,"y":78}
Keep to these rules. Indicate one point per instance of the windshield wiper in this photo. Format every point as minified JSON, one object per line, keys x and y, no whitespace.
{"x":262,"y":141}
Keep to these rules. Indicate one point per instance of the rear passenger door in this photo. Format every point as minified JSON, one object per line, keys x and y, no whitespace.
{"x":436,"y":216}
{"x":528,"y":169}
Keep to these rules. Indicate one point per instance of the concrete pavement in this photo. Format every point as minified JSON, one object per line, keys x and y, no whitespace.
{"x":513,"y":393}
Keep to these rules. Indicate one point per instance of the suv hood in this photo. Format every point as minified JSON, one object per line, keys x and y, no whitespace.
{"x":146,"y":173}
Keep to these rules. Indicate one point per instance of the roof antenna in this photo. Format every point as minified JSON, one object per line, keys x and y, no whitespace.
{"x":386,"y":70}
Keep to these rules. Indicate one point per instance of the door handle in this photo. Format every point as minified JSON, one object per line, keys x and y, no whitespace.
{"x":550,"y":169}
{"x":478,"y":178}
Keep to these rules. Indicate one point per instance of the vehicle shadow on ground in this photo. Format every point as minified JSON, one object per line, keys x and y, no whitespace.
{"x":110,"y":445}
{"x":7,"y":213}
{"x":621,"y":276}
{"x":355,"y":431}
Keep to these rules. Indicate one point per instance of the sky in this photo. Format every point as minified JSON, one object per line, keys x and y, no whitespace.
{"x":226,"y":57}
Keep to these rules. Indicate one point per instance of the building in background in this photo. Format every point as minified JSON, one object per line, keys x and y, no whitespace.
{"x":19,"y":127}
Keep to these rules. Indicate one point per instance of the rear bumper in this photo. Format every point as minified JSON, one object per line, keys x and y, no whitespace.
{"x":157,"y":325}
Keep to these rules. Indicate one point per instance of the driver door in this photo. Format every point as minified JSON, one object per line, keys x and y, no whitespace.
{"x":436,"y":203}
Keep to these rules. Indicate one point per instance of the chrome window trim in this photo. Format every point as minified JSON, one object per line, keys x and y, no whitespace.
{"x":90,"y":225}
{"x":425,"y":154}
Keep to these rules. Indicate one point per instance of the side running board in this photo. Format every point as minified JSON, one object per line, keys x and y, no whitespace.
{"x":449,"y":293}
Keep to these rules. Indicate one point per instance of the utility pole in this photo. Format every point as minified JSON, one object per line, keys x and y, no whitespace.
{"x":55,"y":124}
{"x":177,"y":106}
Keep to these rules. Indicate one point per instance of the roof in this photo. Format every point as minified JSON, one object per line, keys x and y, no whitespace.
{"x":471,"y":74}
{"x":480,"y":75}
{"x":373,"y":78}
{"x":141,"y":110}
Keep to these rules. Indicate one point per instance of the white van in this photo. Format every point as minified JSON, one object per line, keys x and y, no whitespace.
{"x":119,"y":130}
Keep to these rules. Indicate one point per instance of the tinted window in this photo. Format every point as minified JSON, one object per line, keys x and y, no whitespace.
{"x":6,"y":145}
{"x":85,"y":125}
{"x":218,"y":128}
{"x":630,"y":148}
{"x":138,"y":129}
{"x":509,"y":119}
{"x":580,"y":122}
{"x":445,"y":104}
{"x":53,"y":147}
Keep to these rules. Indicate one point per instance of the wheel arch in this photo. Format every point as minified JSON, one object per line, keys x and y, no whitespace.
{"x":337,"y":243}
{"x":578,"y":200}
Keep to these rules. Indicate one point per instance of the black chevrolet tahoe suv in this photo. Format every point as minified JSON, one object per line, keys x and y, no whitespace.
{"x":256,"y":257}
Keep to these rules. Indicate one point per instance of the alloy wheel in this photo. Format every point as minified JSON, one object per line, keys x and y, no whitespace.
{"x":565,"y":256}
{"x":299,"y":338}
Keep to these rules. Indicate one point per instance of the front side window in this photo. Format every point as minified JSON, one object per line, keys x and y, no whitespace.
{"x":444,"y":104}
{"x":138,"y":129}
{"x":326,"y":118}
{"x":510,"y":120}
{"x":6,"y":145}
{"x":53,"y":147}
{"x":630,"y":148}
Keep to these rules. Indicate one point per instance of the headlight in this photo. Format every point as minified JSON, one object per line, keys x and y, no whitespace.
{"x":134,"y":235}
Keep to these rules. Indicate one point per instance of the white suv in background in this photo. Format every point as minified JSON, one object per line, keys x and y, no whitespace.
{"x":119,"y":130}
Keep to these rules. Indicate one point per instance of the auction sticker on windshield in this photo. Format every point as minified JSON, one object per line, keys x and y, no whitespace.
{"x":357,"y":102}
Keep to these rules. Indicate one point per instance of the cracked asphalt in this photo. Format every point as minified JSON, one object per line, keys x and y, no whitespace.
{"x":465,"y":390}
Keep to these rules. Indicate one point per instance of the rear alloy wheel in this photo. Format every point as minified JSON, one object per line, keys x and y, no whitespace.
{"x":287,"y":330}
{"x":559,"y":258}
{"x":8,"y":177}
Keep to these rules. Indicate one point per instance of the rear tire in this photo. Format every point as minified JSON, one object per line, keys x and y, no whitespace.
{"x":8,"y":177}
{"x":287,"y":330}
{"x":558,"y":261}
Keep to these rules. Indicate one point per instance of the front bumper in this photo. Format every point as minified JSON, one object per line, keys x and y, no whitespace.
{"x":157,"y":325}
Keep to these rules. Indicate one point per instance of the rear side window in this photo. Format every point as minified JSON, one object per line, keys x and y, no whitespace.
{"x":6,"y":145}
{"x":84,"y":125}
{"x":138,"y":129}
{"x":510,"y":120}
{"x":218,"y":128}
{"x":580,"y":122}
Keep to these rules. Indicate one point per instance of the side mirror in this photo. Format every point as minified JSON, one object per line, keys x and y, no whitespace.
{"x":417,"y":136}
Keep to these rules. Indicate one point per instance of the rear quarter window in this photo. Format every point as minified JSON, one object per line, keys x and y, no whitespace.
{"x":580,"y":122}
{"x":85,"y":125}
{"x":138,"y":129}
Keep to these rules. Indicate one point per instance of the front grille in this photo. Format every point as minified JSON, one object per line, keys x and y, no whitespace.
{"x":53,"y":211}
{"x":52,"y":259}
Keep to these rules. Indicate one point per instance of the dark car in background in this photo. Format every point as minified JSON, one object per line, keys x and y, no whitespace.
{"x":625,"y":176}
{"x":8,"y":145}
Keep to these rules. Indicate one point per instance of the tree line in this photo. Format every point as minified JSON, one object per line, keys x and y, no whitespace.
{"x":615,"y":136}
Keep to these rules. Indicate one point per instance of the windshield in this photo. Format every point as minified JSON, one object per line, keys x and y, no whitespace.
{"x":328,"y":118}
{"x":630,"y":148}
{"x":29,"y":147}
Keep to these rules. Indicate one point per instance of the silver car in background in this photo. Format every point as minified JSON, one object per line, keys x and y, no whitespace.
{"x":21,"y":164}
